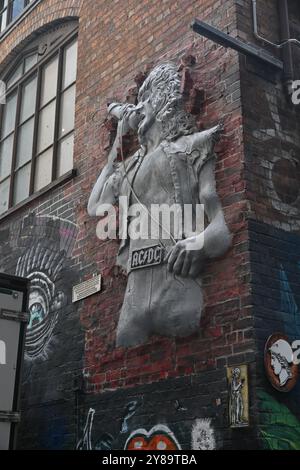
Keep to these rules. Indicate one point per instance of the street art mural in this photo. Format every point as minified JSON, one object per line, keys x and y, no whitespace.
{"x":279,"y":428}
{"x":203,"y":435}
{"x":281,"y":371}
{"x":48,"y":244}
{"x":111,"y":423}
{"x":288,"y":304}
{"x":160,"y":437}
{"x":85,"y":442}
{"x":129,"y":413}
{"x":282,"y":167}
{"x":238,"y":396}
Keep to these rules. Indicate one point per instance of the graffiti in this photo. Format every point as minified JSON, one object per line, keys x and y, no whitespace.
{"x":130,"y":411}
{"x":49,"y":242}
{"x":280,"y":429}
{"x":85,"y":442}
{"x":283,"y":169}
{"x":160,"y":437}
{"x":178,"y":406}
{"x":279,"y":426}
{"x":288,"y":304}
{"x":281,"y":370}
{"x":105,"y":442}
{"x":281,"y":358}
{"x":238,"y":396}
{"x":203,"y":435}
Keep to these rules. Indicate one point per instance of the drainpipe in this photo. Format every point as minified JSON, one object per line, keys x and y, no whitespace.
{"x":287,"y":56}
{"x":285,"y":44}
{"x":261,"y":38}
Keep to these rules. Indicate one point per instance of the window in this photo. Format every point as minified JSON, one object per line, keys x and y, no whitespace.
{"x":37,"y":121}
{"x":10,"y":9}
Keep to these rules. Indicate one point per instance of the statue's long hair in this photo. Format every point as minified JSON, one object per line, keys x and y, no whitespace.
{"x":163,"y":85}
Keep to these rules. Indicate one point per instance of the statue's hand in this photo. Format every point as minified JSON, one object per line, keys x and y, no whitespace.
{"x":129,"y":121}
{"x":187,"y":257}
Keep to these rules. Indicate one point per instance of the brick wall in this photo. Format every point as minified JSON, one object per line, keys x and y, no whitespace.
{"x":271,"y":145}
{"x":174,"y":384}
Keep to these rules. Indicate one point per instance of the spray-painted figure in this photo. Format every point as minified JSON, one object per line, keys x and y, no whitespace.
{"x":281,"y":358}
{"x":236,"y":398}
{"x":49,"y":242}
{"x":174,"y":165}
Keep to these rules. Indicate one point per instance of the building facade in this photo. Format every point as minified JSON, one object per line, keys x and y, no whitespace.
{"x":62,"y":63}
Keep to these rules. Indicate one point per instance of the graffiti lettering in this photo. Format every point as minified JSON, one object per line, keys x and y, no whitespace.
{"x":2,"y":353}
{"x":296,"y":349}
{"x":296,"y":93}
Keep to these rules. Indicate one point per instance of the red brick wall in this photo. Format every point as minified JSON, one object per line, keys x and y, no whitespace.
{"x":117,"y":41}
{"x":122,"y":43}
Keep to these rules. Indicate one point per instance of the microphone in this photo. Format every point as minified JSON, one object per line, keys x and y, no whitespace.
{"x":118,"y":111}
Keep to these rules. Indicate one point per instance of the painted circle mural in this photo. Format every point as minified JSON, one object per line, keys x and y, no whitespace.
{"x":281,"y":371}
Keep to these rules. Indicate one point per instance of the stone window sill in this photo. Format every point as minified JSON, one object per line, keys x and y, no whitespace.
{"x":58,"y":182}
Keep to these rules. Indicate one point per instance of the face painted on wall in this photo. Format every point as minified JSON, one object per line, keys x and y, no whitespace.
{"x":45,"y":303}
{"x":42,"y":262}
{"x":280,"y":367}
{"x":275,"y":364}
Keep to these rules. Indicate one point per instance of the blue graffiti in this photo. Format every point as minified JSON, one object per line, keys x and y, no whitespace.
{"x":289,"y":307}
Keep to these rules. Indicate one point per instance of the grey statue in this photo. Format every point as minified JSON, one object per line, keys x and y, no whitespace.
{"x":175,"y":164}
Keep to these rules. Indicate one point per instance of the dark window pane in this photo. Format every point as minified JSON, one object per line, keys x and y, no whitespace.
{"x":25,"y":141}
{"x":70,"y":64}
{"x":30,"y":61}
{"x":3,"y":16}
{"x":4,"y":195}
{"x":43,"y":169}
{"x":67,"y":111}
{"x":28,"y":100}
{"x":49,"y":81}
{"x":9,"y":115}
{"x":6,"y":148}
{"x":65,"y":155}
{"x":15,"y":76}
{"x":18,"y":7}
{"x":21,"y":184}
{"x":46,"y":127}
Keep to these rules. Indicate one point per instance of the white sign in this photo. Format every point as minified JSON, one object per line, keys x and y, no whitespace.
{"x":12,"y":327}
{"x":2,"y":353}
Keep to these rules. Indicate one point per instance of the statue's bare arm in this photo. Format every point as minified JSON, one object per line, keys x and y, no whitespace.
{"x":188,"y":256}
{"x":104,"y":189}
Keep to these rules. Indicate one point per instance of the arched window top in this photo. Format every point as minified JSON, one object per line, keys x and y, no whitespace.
{"x":36,"y":50}
{"x":37,"y":120}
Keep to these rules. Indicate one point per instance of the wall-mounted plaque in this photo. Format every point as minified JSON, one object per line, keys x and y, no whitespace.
{"x":86,"y":288}
{"x":237,"y":377}
{"x":281,"y":370}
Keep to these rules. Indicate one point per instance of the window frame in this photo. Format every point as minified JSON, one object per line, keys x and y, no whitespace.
{"x":9,"y":13}
{"x":37,"y":70}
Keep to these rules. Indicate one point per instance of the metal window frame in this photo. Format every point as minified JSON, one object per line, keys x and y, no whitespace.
{"x":9,"y":9}
{"x":17,"y":87}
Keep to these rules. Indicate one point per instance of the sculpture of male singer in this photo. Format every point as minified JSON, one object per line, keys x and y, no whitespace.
{"x":174,"y":165}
